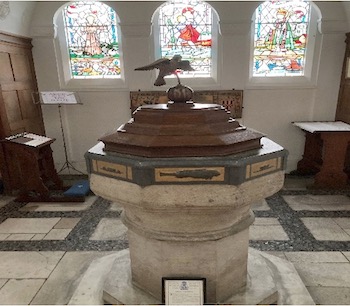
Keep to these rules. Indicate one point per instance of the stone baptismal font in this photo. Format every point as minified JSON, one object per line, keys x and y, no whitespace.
{"x":186,"y":175}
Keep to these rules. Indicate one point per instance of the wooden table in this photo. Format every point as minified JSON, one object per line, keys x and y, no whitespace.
{"x":325,"y":152}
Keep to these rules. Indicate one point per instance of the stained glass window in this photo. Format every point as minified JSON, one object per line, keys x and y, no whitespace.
{"x":281,"y":35}
{"x":186,"y":29}
{"x":92,"y":39}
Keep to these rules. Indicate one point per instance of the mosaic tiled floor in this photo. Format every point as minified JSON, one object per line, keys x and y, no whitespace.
{"x":45,"y":247}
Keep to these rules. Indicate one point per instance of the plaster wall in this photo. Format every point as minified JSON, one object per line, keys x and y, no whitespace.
{"x":269,"y":109}
{"x":19,"y":17}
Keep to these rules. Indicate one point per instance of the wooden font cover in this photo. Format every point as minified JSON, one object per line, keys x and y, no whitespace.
{"x":181,"y":130}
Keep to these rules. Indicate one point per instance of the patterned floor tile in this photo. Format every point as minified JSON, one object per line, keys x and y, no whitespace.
{"x":28,"y":264}
{"x":316,"y":257}
{"x":325,"y":229}
{"x":20,"y":291}
{"x":259,"y":206}
{"x":21,"y":237}
{"x":330,"y":295}
{"x":267,"y":232}
{"x":59,"y":206}
{"x":324,"y":274}
{"x":109,"y":229}
{"x":67,"y":223}
{"x":59,"y":288}
{"x":57,"y":234}
{"x":318,"y":202}
{"x":27,"y":225}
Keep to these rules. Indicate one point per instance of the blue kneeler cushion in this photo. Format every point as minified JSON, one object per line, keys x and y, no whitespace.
{"x":79,"y":189}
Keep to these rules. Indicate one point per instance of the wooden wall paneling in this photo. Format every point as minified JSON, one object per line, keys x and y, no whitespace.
{"x":21,"y":67}
{"x":13,"y":111}
{"x":18,"y":83}
{"x":5,"y":68}
{"x":343,"y":106}
{"x":4,"y":124}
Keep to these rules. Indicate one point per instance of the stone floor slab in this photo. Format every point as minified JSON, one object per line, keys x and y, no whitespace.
{"x":330,"y":295}
{"x":63,"y":281}
{"x":267,"y":232}
{"x":324,"y":274}
{"x":266,"y":221}
{"x":260,"y":206}
{"x":3,"y":281}
{"x":28,"y":225}
{"x":325,"y":229}
{"x":315,"y":257}
{"x":347,"y":255}
{"x":60,"y":206}
{"x":344,"y":223}
{"x":3,"y":236}
{"x":109,"y":229}
{"x":19,"y":291}
{"x":67,"y":223}
{"x":115,"y":207}
{"x":38,"y":237}
{"x":57,"y":234}
{"x":22,"y":237}
{"x":318,"y":202}
{"x":28,"y":264}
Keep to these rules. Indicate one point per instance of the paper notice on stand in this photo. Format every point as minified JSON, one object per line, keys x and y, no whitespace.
{"x":58,"y":97}
{"x":29,"y":139}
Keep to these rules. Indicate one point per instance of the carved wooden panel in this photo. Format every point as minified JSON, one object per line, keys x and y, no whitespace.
{"x":5,"y":67}
{"x":232,"y":100}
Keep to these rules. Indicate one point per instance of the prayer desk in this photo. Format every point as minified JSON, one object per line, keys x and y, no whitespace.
{"x":325,"y":152}
{"x":27,"y":166}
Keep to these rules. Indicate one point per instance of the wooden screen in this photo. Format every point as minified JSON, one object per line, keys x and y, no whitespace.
{"x":232,"y":100}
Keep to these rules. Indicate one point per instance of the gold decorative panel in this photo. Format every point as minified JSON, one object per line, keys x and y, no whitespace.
{"x":112,"y":169}
{"x":232,"y":100}
{"x":263,"y":167}
{"x":207,"y":174}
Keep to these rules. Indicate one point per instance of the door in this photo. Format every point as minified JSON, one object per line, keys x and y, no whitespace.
{"x":18,"y":112}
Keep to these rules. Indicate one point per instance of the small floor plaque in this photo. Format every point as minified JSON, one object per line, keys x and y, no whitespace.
{"x":181,"y":291}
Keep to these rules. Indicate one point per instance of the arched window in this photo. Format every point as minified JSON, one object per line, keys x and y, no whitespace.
{"x":186,"y":28}
{"x":282,"y":44}
{"x":92,"y":40}
{"x":88,"y":46}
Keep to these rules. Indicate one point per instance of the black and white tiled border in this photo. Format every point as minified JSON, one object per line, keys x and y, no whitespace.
{"x":300,"y":238}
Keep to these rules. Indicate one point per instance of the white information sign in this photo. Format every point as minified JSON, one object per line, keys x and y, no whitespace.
{"x":184,"y":292}
{"x":58,"y":97}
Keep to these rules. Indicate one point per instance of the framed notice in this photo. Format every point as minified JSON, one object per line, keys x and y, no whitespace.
{"x":183,"y":291}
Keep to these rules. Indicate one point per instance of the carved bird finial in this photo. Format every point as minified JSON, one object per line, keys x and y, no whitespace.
{"x":167,"y":67}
